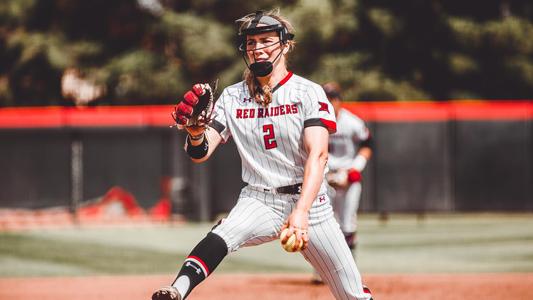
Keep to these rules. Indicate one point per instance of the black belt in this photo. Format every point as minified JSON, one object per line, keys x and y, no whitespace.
{"x":288,"y":189}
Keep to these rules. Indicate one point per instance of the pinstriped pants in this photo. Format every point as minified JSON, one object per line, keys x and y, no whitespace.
{"x":257,"y":218}
{"x":345,"y":206}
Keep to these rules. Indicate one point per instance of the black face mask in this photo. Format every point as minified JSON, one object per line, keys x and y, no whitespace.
{"x":263,"y":68}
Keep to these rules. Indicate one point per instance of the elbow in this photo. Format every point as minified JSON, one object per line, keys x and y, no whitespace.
{"x":366,"y":152}
{"x":322,"y":157}
{"x":318,"y":157}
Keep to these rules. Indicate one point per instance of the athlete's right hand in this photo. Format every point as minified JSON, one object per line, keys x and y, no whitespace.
{"x":297,"y":223}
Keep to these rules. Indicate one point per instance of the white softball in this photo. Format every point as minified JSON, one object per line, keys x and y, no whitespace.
{"x":289,"y":245}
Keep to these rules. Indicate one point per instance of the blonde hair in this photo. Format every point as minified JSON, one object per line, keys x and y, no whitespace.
{"x":262,"y":94}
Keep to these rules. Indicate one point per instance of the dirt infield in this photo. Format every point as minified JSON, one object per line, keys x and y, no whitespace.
{"x":268,"y":286}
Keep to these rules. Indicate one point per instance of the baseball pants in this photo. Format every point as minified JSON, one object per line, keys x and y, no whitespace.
{"x":257,"y":218}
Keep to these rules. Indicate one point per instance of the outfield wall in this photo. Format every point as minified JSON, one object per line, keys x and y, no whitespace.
{"x":454,"y":156}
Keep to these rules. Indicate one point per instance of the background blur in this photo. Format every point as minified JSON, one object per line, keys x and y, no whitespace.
{"x":94,"y":182}
{"x":145,"y":51}
{"x":112,"y":70}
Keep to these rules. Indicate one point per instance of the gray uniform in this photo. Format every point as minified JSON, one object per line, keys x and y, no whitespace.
{"x":343,"y":147}
{"x":270,"y":144}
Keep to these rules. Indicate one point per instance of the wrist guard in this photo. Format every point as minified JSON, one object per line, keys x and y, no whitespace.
{"x":199,"y":151}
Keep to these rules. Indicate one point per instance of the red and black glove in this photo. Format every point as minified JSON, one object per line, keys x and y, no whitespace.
{"x":196,"y":107}
{"x":354,"y":176}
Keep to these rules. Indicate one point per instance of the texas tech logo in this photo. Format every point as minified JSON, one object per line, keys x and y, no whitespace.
{"x":323,"y":106}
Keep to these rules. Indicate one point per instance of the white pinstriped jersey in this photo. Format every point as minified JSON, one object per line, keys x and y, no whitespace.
{"x":270,"y":140}
{"x":344,"y":144}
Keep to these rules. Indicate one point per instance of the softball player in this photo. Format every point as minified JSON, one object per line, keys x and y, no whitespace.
{"x":280,"y":123}
{"x":350,"y":148}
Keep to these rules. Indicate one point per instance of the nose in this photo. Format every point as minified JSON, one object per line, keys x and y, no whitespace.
{"x":259,"y":52}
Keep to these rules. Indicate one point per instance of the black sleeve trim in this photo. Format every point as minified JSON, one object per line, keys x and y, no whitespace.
{"x":219,"y":127}
{"x":369,"y":142}
{"x":313,"y":122}
{"x":329,"y":125}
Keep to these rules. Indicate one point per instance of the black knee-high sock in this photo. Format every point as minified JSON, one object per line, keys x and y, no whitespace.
{"x":202,"y":261}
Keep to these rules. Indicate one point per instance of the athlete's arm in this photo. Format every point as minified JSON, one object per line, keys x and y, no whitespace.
{"x":316,"y":144}
{"x":366,"y":145}
{"x":363,"y":156}
{"x":213,"y":140}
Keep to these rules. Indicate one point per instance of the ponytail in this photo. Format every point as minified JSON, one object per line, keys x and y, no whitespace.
{"x":261,"y":94}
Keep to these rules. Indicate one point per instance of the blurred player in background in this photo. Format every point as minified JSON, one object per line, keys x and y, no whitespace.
{"x":280,"y":123}
{"x":350,"y":148}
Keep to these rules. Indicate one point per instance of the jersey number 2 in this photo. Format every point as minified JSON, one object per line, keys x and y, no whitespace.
{"x":269,"y":137}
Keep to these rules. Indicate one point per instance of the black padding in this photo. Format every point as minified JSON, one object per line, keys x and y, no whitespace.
{"x":212,"y":249}
{"x":207,"y":254}
{"x":199,"y":151}
{"x":216,"y":125}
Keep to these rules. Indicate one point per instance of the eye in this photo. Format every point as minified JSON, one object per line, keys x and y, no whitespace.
{"x":250,"y":42}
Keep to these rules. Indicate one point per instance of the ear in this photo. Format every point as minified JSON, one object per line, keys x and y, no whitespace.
{"x":286,"y":48}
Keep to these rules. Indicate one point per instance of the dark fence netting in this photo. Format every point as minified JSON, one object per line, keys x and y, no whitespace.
{"x":416,"y":167}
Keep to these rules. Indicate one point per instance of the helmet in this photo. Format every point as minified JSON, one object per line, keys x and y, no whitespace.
{"x":333,"y":90}
{"x":268,"y":24}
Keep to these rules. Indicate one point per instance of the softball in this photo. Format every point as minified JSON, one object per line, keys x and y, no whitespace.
{"x":289,"y":245}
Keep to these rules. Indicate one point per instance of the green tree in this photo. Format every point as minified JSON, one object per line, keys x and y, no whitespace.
{"x":150,"y":51}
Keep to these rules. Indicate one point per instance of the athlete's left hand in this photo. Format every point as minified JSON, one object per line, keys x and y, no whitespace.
{"x":297,"y":223}
{"x":354,"y":176}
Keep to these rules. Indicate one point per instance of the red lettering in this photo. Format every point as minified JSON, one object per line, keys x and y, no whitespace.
{"x":252,"y":113}
{"x":288,"y":108}
{"x":282,"y":110}
{"x":276,"y":111}
{"x":239,"y":113}
{"x":266,"y":112}
{"x":323,"y":106}
{"x":294,"y":109}
{"x":260,"y":112}
{"x":245,"y":113}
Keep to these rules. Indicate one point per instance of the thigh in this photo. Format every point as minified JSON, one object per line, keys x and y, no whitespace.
{"x":339,"y":204}
{"x":332,"y":259}
{"x":338,"y":200}
{"x":250,"y":222}
{"x":351,"y":205}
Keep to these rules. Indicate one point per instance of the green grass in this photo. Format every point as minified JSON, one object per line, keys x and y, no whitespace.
{"x":403,"y":244}
{"x":448,"y":243}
